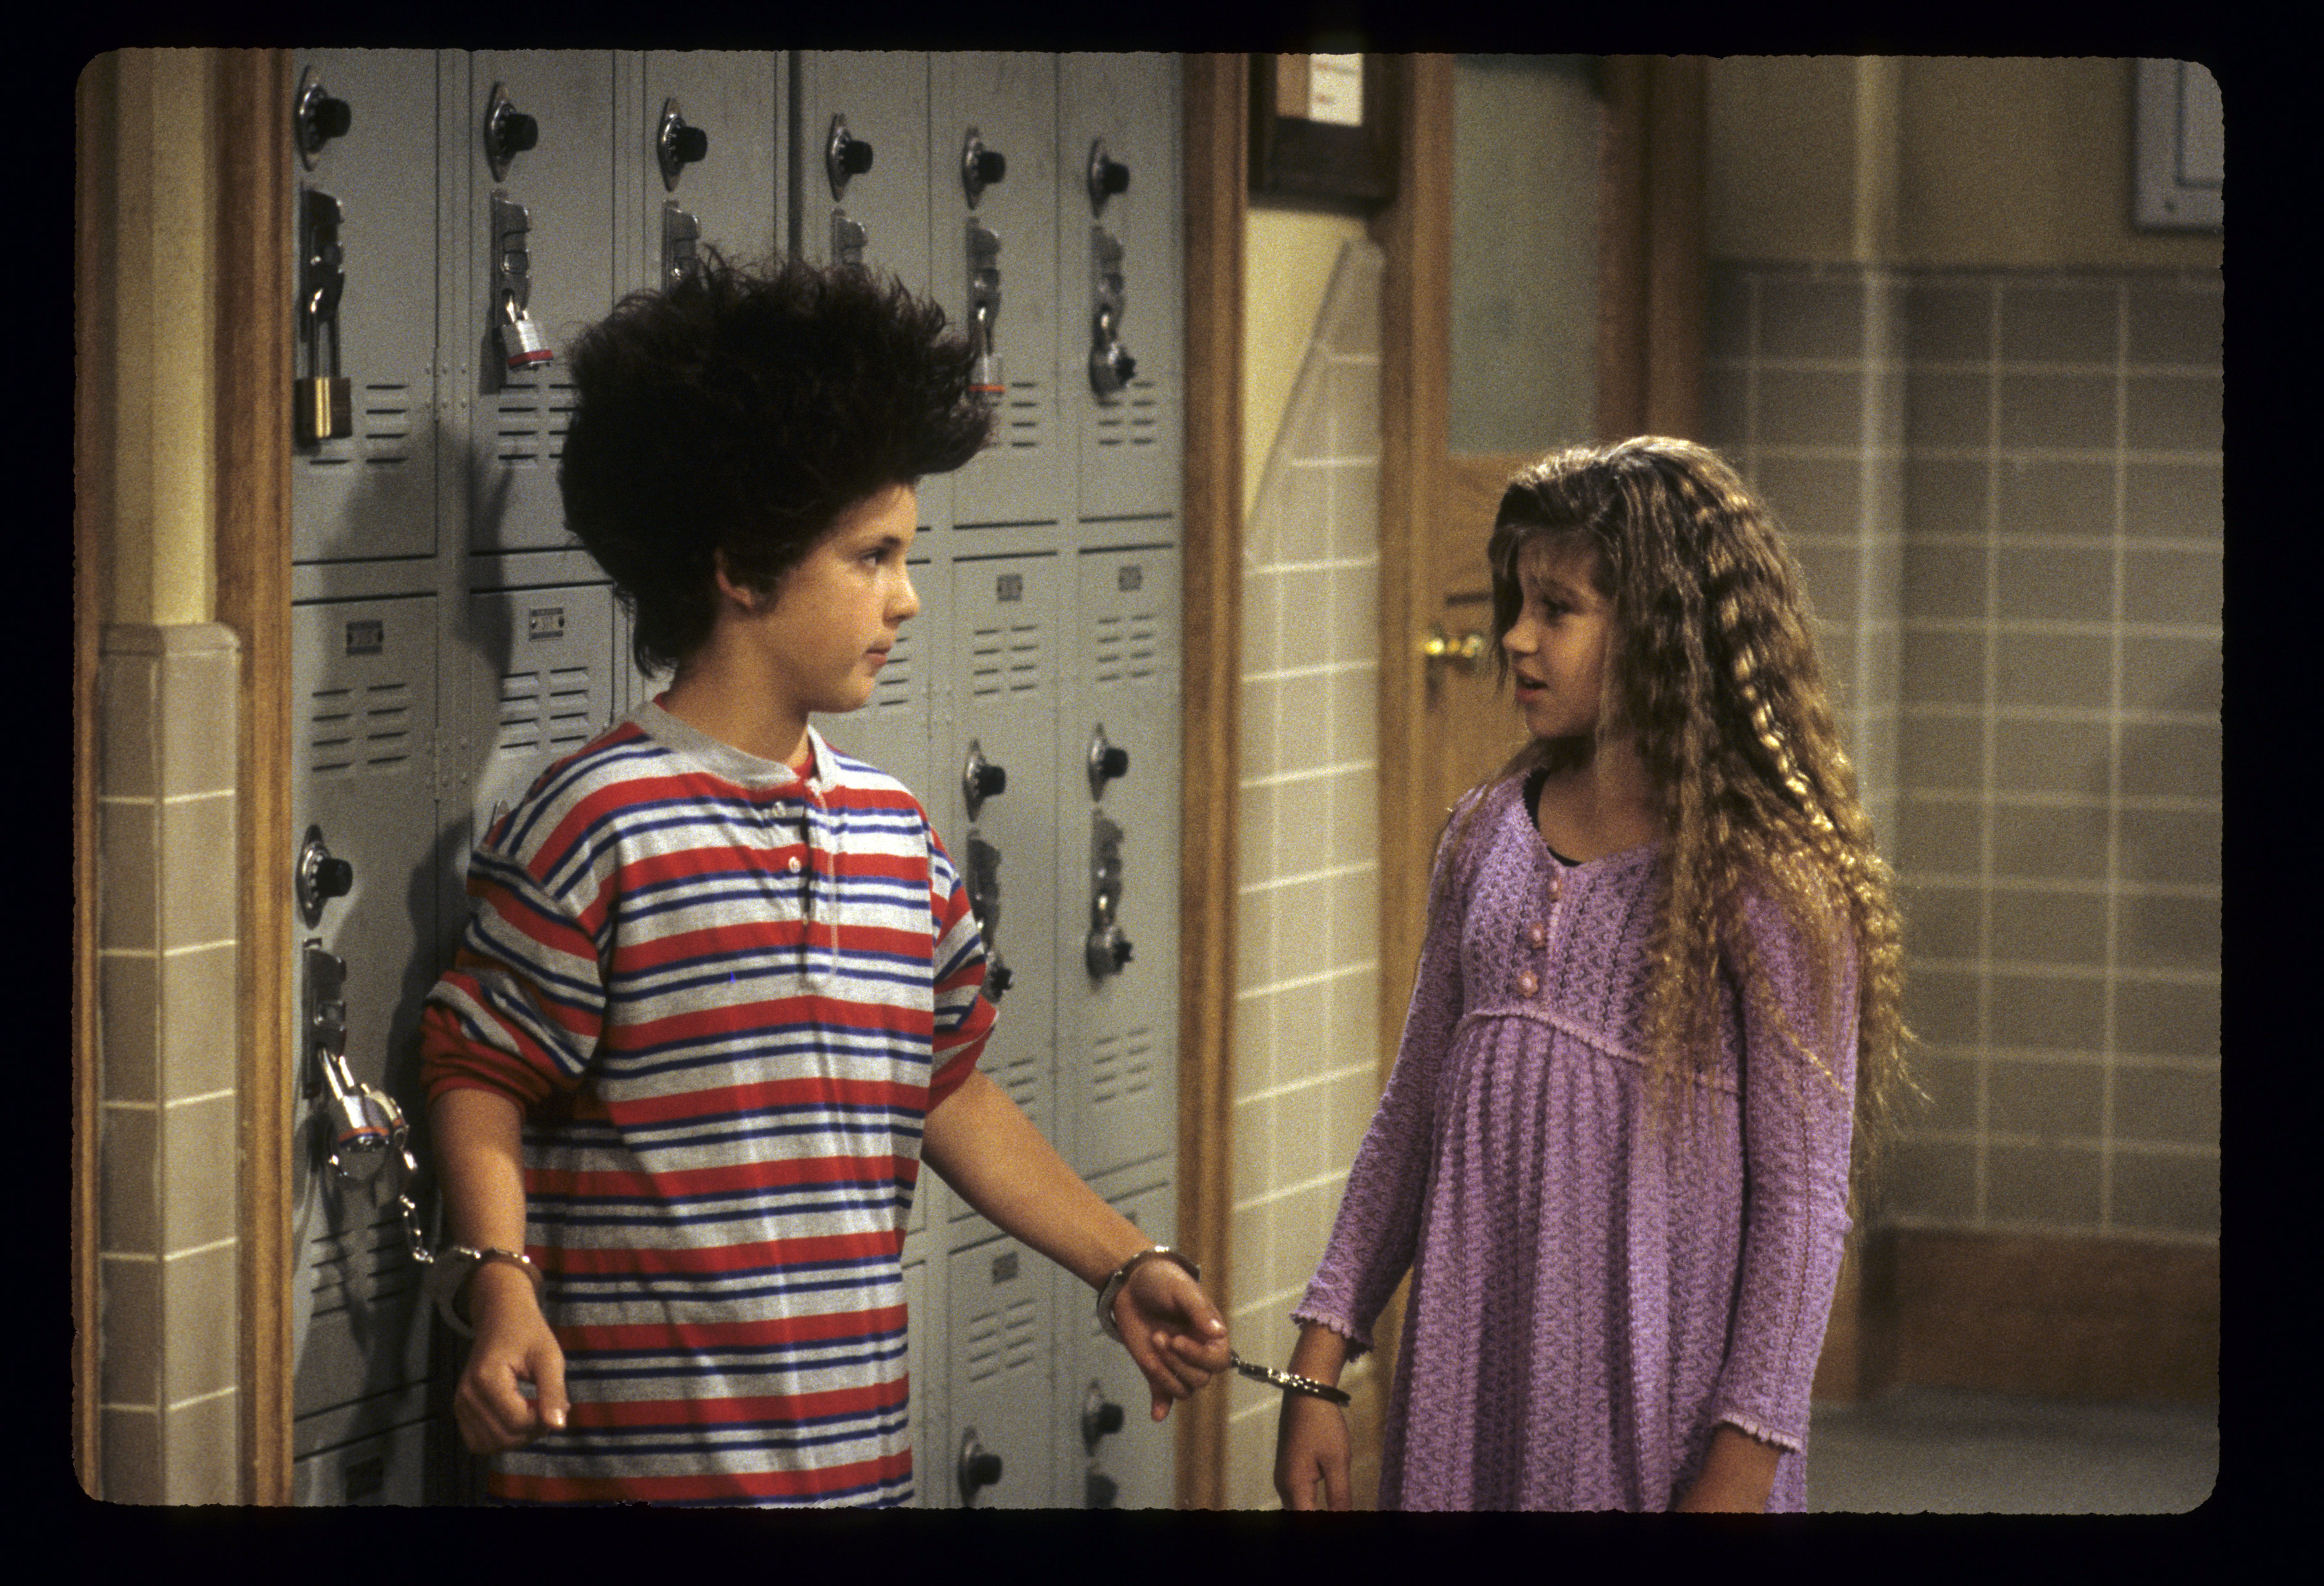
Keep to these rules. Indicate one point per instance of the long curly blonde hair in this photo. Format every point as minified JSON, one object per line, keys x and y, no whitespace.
{"x":1713,"y":667}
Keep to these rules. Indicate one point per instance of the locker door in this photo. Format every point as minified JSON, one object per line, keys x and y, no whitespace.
{"x":1118,"y":251}
{"x":998,"y":1311}
{"x":364,"y":682}
{"x":864,"y":161}
{"x":1118,"y":964}
{"x":545,"y":213}
{"x":536,"y":681}
{"x":1007,"y":642}
{"x":993,"y":253}
{"x":725,"y":197}
{"x":1111,"y":1454}
{"x":370,"y":194}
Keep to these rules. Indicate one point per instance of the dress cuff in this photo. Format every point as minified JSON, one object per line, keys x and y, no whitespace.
{"x":1359,"y":1340}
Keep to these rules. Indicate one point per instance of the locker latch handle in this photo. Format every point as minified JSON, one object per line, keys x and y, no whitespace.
{"x":321,"y":403}
{"x":1108,"y":950}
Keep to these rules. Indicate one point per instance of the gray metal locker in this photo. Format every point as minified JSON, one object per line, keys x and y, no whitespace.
{"x":1120,"y":256}
{"x":1000,"y":1309}
{"x":702,"y":136}
{"x":1006,"y":638}
{"x":363,"y":266}
{"x":993,"y":204}
{"x":862,"y":161}
{"x":536,"y":680}
{"x":1116,"y":1456}
{"x":364,"y":711}
{"x":1118,"y":863}
{"x":538,"y":151}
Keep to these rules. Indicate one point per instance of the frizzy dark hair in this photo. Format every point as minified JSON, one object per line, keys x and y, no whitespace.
{"x":742,"y":410}
{"x":1714,"y":668}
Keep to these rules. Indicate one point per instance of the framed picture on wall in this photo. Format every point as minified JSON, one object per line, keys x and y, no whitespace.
{"x":1319,"y":127}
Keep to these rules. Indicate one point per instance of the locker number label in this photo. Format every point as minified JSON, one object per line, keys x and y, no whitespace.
{"x":1004,"y":1266}
{"x":1130,"y":579}
{"x":1009,"y":588}
{"x":549,"y":622}
{"x":366,"y":637}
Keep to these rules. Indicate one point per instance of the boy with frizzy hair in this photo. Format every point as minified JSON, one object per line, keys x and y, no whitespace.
{"x":720,"y":995}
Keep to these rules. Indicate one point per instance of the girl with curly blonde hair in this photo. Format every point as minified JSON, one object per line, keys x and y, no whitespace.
{"x":1658,"y":997}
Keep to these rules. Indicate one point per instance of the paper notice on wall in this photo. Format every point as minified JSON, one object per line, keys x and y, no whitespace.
{"x":1335,"y":90}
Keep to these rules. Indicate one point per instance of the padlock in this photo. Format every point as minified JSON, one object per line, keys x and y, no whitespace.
{"x":520,"y":338}
{"x":367,"y":1128}
{"x":322,"y":408}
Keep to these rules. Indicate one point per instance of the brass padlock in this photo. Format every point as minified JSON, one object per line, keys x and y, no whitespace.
{"x":322,"y":408}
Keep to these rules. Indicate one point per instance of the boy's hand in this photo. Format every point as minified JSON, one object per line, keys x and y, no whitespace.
{"x":1172,"y":1331}
{"x":514,"y":1344}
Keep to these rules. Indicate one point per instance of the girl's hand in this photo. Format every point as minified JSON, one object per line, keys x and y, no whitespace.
{"x":1311,"y":1445}
{"x":514,"y":1344}
{"x":1172,"y":1331}
{"x":1737,"y":1475}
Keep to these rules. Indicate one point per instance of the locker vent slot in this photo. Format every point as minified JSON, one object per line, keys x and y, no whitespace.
{"x":895,"y":687}
{"x":1021,"y":1076}
{"x":1121,"y":1066}
{"x":1128,"y":648}
{"x":1005,"y":1341}
{"x":1024,"y":415}
{"x":544,"y":709}
{"x":1005,"y":660}
{"x":531,"y":418}
{"x":387,"y":424}
{"x":364,"y":1265}
{"x":1135,"y":422}
{"x":352,"y":727}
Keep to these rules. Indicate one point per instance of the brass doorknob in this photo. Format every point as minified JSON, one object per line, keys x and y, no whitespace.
{"x":1462,"y":652}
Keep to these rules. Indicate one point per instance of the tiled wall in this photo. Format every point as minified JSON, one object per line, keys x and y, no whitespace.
{"x":1305,"y":1063}
{"x":2018,"y":476}
{"x":169,"y":1147}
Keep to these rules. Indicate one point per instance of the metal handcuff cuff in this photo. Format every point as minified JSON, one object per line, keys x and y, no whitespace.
{"x":1288,"y":1382}
{"x":454,"y":1265}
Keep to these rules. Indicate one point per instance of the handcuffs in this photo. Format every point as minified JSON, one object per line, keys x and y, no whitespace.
{"x":448,"y":1275}
{"x":1288,"y":1382}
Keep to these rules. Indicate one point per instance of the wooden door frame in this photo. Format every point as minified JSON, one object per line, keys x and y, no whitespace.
{"x":252,"y":426}
{"x":1216,"y":89}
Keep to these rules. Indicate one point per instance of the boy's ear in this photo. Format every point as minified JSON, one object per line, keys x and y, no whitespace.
{"x":742,"y":595}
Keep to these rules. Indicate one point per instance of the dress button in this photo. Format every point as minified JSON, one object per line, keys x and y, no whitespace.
{"x":1528,"y":983}
{"x":1557,"y":888}
{"x":1538,"y":935}
{"x":795,"y":864}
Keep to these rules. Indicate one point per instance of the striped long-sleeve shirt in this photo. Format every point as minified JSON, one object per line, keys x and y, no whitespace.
{"x":727,"y":996}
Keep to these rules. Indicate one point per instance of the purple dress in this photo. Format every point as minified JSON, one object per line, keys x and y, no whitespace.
{"x":1587,"y":1304}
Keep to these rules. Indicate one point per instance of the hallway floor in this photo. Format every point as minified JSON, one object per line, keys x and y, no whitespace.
{"x":1949,"y":1452}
